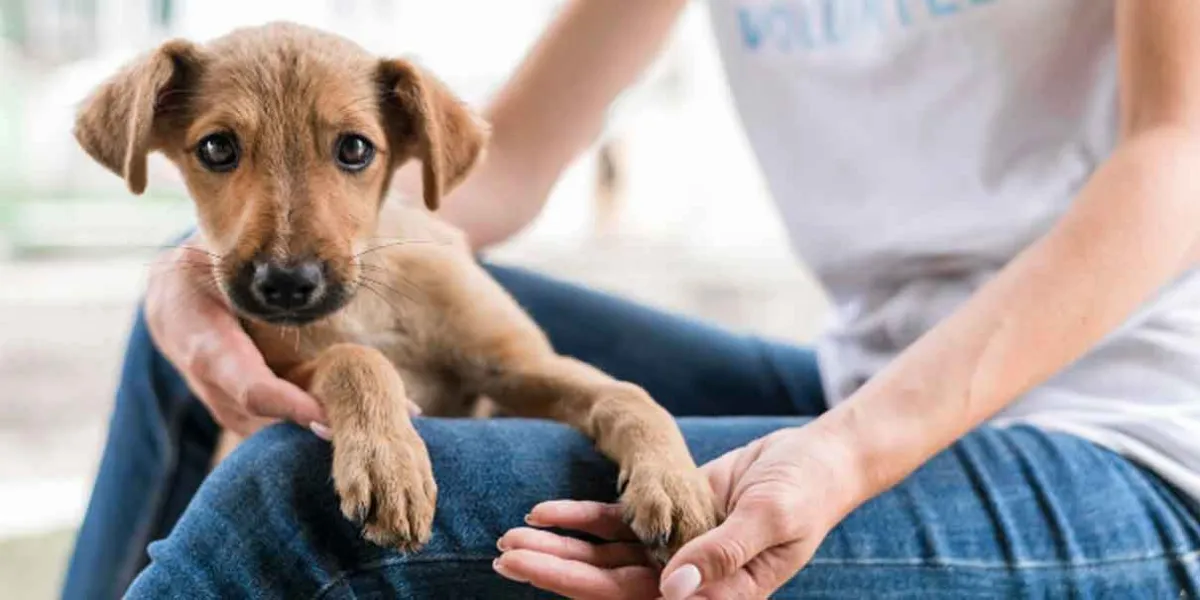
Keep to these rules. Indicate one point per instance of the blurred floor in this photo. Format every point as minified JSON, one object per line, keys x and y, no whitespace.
{"x":63,"y":322}
{"x":31,"y":565}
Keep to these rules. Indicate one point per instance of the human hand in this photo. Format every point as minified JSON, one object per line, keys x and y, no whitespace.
{"x":782,"y":496}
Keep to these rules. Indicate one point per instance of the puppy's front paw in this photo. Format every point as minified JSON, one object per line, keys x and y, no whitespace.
{"x":385,"y":483}
{"x":666,"y":506}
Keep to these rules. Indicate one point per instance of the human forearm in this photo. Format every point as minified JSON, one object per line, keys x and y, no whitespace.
{"x":551,"y":108}
{"x":1130,"y":232}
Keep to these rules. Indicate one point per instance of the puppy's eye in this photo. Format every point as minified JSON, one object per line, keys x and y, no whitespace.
{"x":353,"y":152}
{"x":218,"y":152}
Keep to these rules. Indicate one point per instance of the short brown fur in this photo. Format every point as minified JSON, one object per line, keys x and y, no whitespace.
{"x":421,"y":321}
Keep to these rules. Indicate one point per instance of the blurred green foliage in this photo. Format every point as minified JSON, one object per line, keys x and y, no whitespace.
{"x":12,"y":21}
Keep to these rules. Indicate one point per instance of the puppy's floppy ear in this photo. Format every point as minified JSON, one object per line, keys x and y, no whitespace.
{"x":418,"y":109}
{"x":121,"y":122}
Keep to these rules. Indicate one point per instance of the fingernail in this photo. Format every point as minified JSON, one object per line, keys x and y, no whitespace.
{"x":529,"y":519}
{"x":322,"y":431}
{"x":504,"y":572}
{"x":682,"y":583}
{"x":500,"y":545}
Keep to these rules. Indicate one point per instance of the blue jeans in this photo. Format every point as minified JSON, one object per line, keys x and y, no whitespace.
{"x":1004,"y":512}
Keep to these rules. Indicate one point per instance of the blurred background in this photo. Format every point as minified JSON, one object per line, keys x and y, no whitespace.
{"x":667,"y":207}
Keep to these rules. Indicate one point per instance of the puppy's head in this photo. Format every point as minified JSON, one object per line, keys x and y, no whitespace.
{"x":287,"y":138}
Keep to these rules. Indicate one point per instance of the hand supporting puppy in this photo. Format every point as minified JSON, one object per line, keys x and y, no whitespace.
{"x":194,"y":328}
{"x":192,"y":325}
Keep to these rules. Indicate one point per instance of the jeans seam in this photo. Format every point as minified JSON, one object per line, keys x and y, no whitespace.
{"x":139,"y":542}
{"x":1171,"y":557}
{"x":342,"y":576}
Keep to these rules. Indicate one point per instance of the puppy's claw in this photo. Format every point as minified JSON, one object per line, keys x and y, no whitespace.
{"x":667,"y":507}
{"x":386,"y":486}
{"x":622,"y":482}
{"x":362,"y":514}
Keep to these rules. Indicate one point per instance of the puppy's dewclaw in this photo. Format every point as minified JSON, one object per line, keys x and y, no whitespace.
{"x":287,"y":139}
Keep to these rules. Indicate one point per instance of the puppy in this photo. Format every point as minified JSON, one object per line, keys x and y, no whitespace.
{"x":287,"y":138}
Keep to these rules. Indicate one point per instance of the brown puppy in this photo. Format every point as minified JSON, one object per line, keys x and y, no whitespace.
{"x":287,"y":138}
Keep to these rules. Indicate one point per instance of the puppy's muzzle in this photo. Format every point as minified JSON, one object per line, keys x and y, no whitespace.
{"x":286,"y":291}
{"x":287,"y":288}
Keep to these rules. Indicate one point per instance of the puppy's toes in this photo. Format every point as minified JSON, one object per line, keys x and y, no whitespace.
{"x":667,"y":507}
{"x":403,"y":517}
{"x":353,"y":484}
{"x":386,"y":486}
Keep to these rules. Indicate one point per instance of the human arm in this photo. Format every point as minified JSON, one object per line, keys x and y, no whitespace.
{"x":550,"y":109}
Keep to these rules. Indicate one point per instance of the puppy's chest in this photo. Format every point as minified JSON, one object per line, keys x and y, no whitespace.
{"x":399,"y":343}
{"x":431,"y":373}
{"x":392,"y":340}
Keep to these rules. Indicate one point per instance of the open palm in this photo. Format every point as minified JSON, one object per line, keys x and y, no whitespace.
{"x":774,"y":526}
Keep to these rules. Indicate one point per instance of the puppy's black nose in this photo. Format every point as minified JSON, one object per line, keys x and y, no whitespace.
{"x":287,"y":287}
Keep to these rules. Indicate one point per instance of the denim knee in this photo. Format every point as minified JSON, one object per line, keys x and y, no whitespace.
{"x":489,"y":473}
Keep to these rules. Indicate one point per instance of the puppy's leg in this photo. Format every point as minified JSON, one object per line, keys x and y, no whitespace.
{"x":381,"y":467}
{"x":666,"y":500}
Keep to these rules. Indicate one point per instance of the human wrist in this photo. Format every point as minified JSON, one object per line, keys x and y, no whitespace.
{"x":830,"y":466}
{"x":881,"y":439}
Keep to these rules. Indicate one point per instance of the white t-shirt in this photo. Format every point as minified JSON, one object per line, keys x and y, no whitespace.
{"x":916,"y":146}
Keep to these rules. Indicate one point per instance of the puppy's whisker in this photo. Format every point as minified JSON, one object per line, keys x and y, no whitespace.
{"x":199,"y":250}
{"x":181,"y":261}
{"x":402,"y":241}
{"x":366,"y":286}
{"x":365,"y":279}
{"x":285,"y":330}
{"x":375,"y":282}
{"x":179,"y":247}
{"x":190,"y":269}
{"x":378,"y":268}
{"x":406,"y":239}
{"x":399,"y":243}
{"x":168,"y":264}
{"x":405,"y":281}
{"x":398,"y":278}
